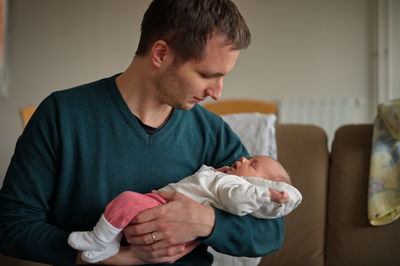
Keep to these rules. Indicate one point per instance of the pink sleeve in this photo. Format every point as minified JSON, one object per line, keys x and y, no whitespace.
{"x":123,"y":208}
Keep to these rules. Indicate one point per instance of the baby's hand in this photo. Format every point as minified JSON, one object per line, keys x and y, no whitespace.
{"x":279,"y":196}
{"x":222,"y":169}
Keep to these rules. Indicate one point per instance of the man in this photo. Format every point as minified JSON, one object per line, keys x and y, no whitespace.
{"x":138,"y":130}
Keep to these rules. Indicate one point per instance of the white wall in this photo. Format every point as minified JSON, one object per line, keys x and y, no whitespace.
{"x":301,"y":48}
{"x":395,"y":50}
{"x":307,"y":47}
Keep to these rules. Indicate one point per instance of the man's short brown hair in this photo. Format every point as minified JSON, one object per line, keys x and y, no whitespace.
{"x":187,"y":24}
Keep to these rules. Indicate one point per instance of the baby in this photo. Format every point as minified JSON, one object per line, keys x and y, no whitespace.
{"x":258,"y":186}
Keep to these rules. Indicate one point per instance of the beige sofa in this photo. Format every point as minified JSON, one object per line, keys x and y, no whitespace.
{"x":330,"y":227}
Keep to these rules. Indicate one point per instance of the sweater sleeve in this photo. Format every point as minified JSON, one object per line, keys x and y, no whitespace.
{"x":241,"y":235}
{"x":26,"y":196}
{"x":245,"y":235}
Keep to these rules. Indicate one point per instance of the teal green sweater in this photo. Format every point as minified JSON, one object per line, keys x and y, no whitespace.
{"x":83,"y":146}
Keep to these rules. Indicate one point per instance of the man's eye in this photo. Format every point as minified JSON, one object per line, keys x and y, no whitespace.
{"x":204,"y":75}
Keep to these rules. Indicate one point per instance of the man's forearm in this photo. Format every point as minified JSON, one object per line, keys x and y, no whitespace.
{"x":249,"y":236}
{"x":206,"y":217}
{"x":35,"y":241}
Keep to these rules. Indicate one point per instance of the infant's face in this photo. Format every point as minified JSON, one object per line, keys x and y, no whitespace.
{"x":257,"y":166}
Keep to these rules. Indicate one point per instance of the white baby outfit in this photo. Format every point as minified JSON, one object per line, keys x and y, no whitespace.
{"x":236,"y":194}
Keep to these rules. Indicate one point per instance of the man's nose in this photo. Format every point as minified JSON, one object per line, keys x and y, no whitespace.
{"x":215,"y":91}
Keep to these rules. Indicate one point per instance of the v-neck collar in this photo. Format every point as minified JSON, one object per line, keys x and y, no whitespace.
{"x":152,"y":130}
{"x":133,"y":122}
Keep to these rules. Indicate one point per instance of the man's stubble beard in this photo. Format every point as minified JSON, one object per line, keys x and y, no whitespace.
{"x":167,"y":89}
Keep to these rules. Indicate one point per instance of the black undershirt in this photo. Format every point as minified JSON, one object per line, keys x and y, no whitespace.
{"x":152,"y":130}
{"x":149,"y":130}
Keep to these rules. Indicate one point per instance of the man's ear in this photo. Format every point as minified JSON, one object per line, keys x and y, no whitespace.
{"x":161,"y":53}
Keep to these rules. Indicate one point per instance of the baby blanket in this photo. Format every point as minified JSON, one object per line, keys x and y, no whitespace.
{"x":384,"y":178}
{"x":257,"y":133}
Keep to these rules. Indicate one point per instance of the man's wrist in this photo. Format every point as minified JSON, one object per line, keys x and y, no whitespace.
{"x":208,"y":220}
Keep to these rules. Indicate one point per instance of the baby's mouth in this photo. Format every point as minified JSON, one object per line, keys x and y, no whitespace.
{"x":234,"y":166}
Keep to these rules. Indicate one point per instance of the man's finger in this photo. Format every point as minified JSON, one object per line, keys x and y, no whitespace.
{"x":173,"y":253}
{"x":168,"y":195}
{"x":162,"y":248}
{"x":139,"y":229}
{"x":146,"y":216}
{"x":145,"y":239}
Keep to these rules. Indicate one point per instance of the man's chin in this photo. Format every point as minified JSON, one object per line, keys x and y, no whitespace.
{"x":185,"y":107}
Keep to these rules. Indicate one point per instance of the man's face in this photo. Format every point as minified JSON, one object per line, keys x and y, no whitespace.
{"x":182,"y":86}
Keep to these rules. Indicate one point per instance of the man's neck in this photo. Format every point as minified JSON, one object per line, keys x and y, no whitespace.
{"x":137,"y":90}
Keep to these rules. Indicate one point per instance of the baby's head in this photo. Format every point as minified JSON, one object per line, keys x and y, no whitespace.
{"x":260,"y":166}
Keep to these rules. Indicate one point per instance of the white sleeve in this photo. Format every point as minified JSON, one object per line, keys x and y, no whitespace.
{"x":250,"y":195}
{"x":237,"y":196}
{"x":271,"y":209}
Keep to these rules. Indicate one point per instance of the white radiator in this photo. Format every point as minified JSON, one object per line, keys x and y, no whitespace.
{"x":328,"y":113}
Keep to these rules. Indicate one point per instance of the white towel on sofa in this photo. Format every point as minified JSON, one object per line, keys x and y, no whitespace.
{"x":257,"y":133}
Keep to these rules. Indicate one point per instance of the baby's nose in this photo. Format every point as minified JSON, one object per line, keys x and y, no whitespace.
{"x":242,"y":159}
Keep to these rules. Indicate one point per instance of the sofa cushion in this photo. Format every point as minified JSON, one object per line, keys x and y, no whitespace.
{"x":302,"y":150}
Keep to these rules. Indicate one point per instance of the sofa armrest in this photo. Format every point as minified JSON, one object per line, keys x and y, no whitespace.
{"x":351,"y":240}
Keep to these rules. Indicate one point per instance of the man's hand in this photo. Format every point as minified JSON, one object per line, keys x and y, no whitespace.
{"x":158,"y":231}
{"x":131,"y":255}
